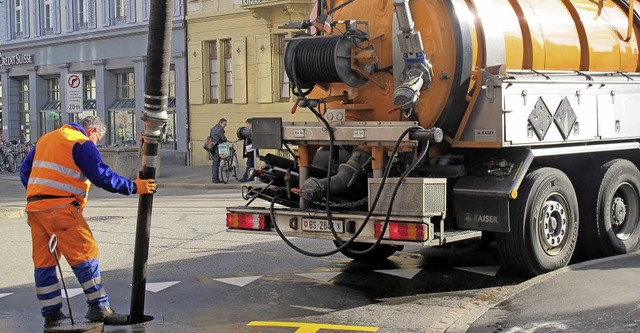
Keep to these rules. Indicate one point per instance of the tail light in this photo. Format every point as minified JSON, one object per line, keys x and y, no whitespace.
{"x":247,"y":221}
{"x":403,"y":231}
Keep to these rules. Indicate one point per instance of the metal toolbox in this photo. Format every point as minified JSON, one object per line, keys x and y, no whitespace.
{"x":420,"y":197}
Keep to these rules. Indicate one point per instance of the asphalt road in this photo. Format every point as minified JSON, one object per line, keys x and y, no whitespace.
{"x":202,"y":278}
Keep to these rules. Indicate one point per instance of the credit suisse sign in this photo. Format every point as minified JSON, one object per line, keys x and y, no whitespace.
{"x":18,"y":59}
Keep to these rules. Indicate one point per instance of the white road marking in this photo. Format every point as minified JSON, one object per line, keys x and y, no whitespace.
{"x":73,"y":292}
{"x":325,"y":277}
{"x":160,"y":286}
{"x":5,"y":294}
{"x":408,"y":273}
{"x":484,"y":270}
{"x":239,"y":281}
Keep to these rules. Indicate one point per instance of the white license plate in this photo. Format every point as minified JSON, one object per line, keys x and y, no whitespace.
{"x":321,"y":225}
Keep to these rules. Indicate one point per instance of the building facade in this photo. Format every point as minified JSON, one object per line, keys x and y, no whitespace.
{"x":236,"y":56}
{"x":50,"y":47}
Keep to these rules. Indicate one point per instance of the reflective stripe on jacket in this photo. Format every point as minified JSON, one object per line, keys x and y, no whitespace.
{"x":54,"y":173}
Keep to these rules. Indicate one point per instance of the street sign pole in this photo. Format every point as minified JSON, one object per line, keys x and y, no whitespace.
{"x":73,"y":94}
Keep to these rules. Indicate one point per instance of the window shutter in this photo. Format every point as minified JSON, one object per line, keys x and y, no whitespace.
{"x":8,"y":27}
{"x":145,"y":10}
{"x":239,"y":56}
{"x":176,"y":7}
{"x":92,"y":14}
{"x":37,"y":15}
{"x":25,"y":19}
{"x":56,"y":21}
{"x":106,"y":13}
{"x":131,"y":11}
{"x":71,"y":15}
{"x":264,"y":82}
{"x":196,"y":70}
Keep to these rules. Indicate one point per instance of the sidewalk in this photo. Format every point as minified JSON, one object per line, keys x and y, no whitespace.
{"x":170,"y":176}
{"x":594,"y":296}
{"x":193,"y":177}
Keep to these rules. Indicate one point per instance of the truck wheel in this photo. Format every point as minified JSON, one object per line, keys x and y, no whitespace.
{"x":611,"y":210}
{"x":544,"y":224}
{"x":380,"y":253}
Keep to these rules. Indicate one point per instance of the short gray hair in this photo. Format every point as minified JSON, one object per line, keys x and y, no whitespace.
{"x":93,"y":122}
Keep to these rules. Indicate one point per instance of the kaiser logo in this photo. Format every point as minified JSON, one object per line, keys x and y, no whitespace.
{"x":480,"y":218}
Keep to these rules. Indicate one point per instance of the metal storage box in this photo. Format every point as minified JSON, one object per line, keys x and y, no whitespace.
{"x":420,"y":197}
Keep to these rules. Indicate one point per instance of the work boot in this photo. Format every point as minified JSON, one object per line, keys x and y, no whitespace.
{"x":106,"y":315}
{"x":53,"y":319}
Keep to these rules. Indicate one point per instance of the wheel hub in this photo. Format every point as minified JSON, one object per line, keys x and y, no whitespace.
{"x":554,"y":224}
{"x":618,"y":211}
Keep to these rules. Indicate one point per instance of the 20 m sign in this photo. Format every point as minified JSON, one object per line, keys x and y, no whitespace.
{"x":74,"y":93}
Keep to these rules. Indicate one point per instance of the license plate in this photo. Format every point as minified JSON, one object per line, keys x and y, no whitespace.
{"x":321,"y":225}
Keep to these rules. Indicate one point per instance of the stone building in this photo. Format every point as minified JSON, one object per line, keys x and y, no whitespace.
{"x":50,"y":47}
{"x":236,"y":55}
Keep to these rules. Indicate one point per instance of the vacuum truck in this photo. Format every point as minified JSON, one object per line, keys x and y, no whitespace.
{"x":454,"y":121}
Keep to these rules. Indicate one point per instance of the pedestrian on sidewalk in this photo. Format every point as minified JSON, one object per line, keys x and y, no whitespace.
{"x":217,"y":135}
{"x":57,"y":173}
{"x":248,"y":153}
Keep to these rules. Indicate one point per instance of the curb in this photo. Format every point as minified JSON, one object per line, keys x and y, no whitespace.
{"x":465,"y":315}
{"x":200,"y":186}
{"x":11,"y":213}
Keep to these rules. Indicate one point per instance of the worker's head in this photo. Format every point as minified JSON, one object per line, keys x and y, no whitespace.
{"x":248,"y":122}
{"x":222,"y":122}
{"x":94,"y":127}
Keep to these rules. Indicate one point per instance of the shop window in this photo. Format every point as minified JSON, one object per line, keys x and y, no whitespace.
{"x":23,"y":109}
{"x":122,"y":127}
{"x":168,"y":141}
{"x":122,"y":114}
{"x":50,"y":114}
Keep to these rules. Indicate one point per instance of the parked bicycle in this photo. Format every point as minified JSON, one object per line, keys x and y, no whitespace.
{"x":7,"y":157}
{"x":228,"y":161}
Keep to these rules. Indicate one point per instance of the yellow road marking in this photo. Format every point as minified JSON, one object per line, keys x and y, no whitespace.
{"x":312,"y":327}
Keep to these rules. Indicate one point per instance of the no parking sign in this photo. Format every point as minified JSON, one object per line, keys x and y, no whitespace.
{"x":74,"y":93}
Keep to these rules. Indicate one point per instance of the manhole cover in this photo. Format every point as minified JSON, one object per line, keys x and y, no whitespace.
{"x":103,"y":218}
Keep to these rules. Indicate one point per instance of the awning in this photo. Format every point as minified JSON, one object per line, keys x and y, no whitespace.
{"x":52,"y":106}
{"x":127,"y":104}
{"x":89,"y":105}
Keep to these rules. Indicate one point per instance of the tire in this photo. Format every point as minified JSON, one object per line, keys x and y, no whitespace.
{"x":610,"y":210}
{"x":380,"y":253}
{"x":544,"y":224}
{"x":224,"y":171}
{"x":11,"y":163}
{"x":234,"y":167}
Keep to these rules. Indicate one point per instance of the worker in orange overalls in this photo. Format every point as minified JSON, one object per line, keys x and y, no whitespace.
{"x":57,"y":174}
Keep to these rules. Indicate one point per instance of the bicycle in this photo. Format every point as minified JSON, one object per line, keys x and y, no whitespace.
{"x":228,"y":161}
{"x":7,"y":158}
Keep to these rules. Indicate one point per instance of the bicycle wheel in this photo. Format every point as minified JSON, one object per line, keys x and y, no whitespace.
{"x":234,"y":167}
{"x":10,"y":163}
{"x":224,"y":170}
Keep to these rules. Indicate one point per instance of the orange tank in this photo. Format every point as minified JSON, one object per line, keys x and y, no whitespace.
{"x":461,"y":37}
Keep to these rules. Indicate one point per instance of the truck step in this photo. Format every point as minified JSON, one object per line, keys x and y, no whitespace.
{"x":454,"y":235}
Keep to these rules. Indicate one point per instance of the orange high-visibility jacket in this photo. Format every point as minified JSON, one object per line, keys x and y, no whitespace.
{"x":54,"y":173}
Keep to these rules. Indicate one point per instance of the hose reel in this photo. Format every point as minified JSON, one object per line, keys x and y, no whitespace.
{"x":312,"y":60}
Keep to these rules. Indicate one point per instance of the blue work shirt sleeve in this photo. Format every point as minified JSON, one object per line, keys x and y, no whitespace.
{"x":25,"y":167}
{"x":88,"y":159}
